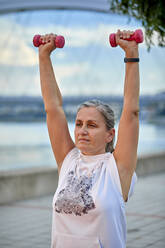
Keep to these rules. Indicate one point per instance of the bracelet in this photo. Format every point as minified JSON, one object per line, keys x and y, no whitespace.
{"x":131,"y":60}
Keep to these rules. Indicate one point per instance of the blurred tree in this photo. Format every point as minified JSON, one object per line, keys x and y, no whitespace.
{"x":151,"y":13}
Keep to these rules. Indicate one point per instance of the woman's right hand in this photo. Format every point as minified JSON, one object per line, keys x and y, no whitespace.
{"x":49,"y":46}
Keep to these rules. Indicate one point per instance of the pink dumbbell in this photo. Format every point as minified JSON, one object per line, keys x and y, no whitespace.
{"x":137,"y":36}
{"x":59,"y":41}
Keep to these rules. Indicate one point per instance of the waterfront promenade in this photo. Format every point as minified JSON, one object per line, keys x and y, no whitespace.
{"x":27,"y":223}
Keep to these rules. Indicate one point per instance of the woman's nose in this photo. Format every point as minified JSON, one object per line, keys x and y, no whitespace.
{"x":83,"y":130}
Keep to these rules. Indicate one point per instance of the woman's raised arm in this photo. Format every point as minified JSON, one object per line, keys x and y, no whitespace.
{"x":56,"y":121}
{"x":127,"y":142}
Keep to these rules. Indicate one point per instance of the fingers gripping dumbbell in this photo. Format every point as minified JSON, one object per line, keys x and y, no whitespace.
{"x":137,"y":36}
{"x":59,"y":41}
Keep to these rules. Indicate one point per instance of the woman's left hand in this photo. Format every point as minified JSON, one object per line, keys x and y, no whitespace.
{"x":130,"y":47}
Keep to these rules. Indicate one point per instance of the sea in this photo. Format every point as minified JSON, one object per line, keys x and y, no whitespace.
{"x":25,"y":145}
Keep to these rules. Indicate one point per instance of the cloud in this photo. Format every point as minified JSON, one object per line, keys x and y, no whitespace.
{"x":17,"y":53}
{"x":87,"y":45}
{"x":26,"y":81}
{"x":72,"y":70}
{"x":14,"y":46}
{"x":16,"y":43}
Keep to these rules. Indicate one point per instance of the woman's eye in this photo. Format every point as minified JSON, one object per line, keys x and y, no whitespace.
{"x":92,"y":125}
{"x":78,"y":124}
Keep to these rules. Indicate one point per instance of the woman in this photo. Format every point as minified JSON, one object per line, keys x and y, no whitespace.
{"x":95,"y":180}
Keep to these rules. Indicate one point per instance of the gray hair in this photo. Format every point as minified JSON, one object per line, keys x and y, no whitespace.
{"x":108,"y":115}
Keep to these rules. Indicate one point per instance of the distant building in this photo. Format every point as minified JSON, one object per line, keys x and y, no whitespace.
{"x":29,"y":109}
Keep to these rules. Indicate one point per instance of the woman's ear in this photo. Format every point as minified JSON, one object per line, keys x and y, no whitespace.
{"x":110,"y":135}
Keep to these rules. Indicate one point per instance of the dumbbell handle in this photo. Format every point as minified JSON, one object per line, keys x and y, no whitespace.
{"x":137,"y":36}
{"x":59,"y":41}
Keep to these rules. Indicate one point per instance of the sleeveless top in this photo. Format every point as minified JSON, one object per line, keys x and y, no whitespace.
{"x":88,"y":206}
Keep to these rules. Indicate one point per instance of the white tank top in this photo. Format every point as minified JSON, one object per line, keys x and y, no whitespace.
{"x":88,"y":207}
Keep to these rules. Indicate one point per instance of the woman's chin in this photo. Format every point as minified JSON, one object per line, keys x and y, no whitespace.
{"x":87,"y":149}
{"x":84,"y":148}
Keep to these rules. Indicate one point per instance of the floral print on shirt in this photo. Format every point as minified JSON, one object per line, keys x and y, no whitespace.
{"x":75,"y":198}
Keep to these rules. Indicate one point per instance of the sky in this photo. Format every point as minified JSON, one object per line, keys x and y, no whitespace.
{"x":87,"y":65}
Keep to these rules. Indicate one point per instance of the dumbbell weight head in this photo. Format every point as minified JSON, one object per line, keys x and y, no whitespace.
{"x":59,"y":41}
{"x":36,"y":40}
{"x":112,"y":40}
{"x":138,"y":36}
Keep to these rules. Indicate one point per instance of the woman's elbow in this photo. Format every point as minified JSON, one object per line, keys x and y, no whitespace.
{"x":55,"y":109}
{"x":131,"y":112}
{"x":136,"y":112}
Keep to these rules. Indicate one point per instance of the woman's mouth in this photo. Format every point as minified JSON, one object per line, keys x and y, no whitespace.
{"x":83,"y":140}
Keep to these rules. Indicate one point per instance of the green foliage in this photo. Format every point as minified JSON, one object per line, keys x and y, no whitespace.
{"x":151,"y":14}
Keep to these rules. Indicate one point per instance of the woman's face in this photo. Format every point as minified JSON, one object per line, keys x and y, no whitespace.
{"x":91,"y":135}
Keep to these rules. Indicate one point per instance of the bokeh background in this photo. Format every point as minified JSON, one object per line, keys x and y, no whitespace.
{"x":87,"y":67}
